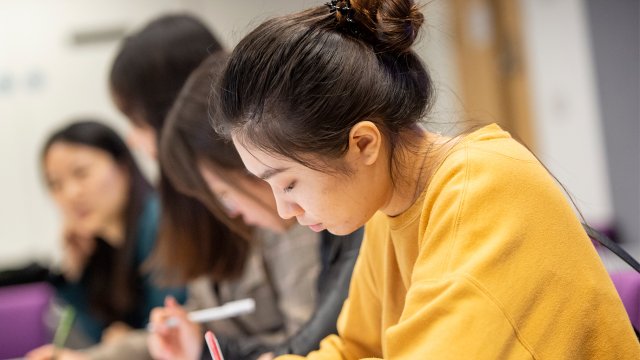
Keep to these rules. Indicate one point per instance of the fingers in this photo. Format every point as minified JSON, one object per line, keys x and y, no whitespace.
{"x":115,"y":332}
{"x":266,"y":356}
{"x":45,"y":352}
{"x":162,"y":319}
{"x":74,"y":231}
{"x":172,"y":317}
{"x":173,"y":335}
{"x":161,"y":341}
{"x":171,"y":302}
{"x":175,"y":310}
{"x":158,"y":321}
{"x":164,"y":341}
{"x":78,"y":247}
{"x":158,"y":347}
{"x":80,"y":242}
{"x":86,"y":245}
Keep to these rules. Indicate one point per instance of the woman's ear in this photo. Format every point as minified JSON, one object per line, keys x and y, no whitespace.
{"x":365,"y":143}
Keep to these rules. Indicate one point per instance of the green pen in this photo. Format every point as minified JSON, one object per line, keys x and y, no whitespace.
{"x":64,"y":327}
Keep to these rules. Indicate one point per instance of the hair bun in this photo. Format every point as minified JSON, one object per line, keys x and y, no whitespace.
{"x":395,"y":23}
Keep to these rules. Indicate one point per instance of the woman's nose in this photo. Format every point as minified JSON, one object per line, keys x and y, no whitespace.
{"x":287,"y":209}
{"x":71,"y":190}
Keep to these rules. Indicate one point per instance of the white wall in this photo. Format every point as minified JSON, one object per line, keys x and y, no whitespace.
{"x":566,"y":107}
{"x":45,"y":80}
{"x":615,"y":33}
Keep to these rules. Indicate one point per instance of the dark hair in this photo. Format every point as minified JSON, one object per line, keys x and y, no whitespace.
{"x":147,"y":75}
{"x":110,"y":276}
{"x":298,"y":83}
{"x":197,"y":236}
{"x":153,"y":64}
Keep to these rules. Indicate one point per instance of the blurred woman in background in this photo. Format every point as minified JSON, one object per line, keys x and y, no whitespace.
{"x":110,"y":215}
{"x":151,"y":67}
{"x":202,"y":165}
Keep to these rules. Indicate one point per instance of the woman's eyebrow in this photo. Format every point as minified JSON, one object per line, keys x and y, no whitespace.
{"x":271,"y":172}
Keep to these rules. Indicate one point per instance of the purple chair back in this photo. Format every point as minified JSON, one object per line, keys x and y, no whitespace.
{"x":22,"y":311}
{"x":628,"y":285}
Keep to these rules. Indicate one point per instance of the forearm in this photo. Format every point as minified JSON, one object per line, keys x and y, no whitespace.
{"x":132,"y":346}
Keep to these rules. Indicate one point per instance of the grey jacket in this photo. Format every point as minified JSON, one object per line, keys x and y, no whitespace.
{"x":338,"y":257}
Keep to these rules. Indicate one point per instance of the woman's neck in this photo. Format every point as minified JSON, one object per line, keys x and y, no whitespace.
{"x":417,"y":162}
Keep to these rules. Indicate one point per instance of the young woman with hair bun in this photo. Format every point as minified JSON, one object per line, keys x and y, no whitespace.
{"x":471,"y":250}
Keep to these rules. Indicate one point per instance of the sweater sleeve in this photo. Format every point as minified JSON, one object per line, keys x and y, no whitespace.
{"x":133,"y":346}
{"x":445,"y":312}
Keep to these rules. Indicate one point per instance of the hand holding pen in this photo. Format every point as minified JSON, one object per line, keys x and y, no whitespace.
{"x":179,"y":339}
{"x":173,"y":329}
{"x":56,"y":350}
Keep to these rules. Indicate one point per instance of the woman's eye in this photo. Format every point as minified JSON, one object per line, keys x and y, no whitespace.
{"x":81,"y":172}
{"x":290,"y":187}
{"x":54,"y":185}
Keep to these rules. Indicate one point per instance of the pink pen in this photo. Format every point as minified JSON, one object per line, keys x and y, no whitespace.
{"x":214,"y":347}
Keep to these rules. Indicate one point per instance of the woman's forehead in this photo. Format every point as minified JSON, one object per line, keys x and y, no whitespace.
{"x":257,"y":161}
{"x":266,"y":164}
{"x":66,"y":151}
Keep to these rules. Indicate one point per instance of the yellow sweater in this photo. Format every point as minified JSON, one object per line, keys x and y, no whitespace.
{"x":489,"y":263}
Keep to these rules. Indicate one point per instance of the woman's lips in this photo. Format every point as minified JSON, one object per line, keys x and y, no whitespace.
{"x":82,"y":213}
{"x":317,"y":227}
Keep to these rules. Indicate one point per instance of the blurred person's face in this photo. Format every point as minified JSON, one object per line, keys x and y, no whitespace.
{"x":87,"y":184}
{"x":245,"y":196}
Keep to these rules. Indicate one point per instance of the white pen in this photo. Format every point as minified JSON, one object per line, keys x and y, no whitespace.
{"x":228,"y":310}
